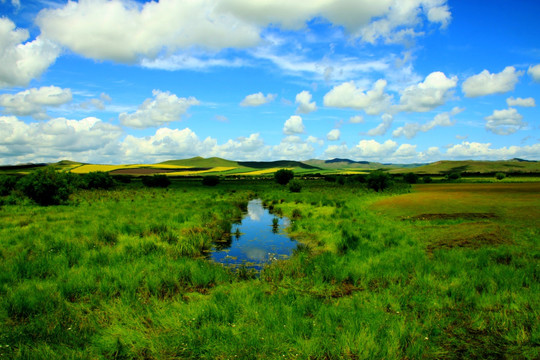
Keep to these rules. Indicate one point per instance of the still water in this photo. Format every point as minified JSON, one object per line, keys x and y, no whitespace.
{"x":258,"y":239}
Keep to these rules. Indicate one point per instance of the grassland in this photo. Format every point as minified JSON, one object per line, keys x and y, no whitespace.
{"x":447,"y":271}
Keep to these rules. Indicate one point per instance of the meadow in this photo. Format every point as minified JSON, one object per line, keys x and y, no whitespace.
{"x":437,"y":271}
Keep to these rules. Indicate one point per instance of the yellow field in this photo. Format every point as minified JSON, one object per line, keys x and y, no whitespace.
{"x":263,"y":172}
{"x":85,"y":169}
{"x":189,"y":173}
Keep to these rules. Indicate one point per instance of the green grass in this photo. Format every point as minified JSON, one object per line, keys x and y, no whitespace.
{"x":470,"y":166}
{"x":122,"y":274}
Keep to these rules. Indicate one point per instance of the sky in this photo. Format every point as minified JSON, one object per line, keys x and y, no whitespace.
{"x":393,"y":81}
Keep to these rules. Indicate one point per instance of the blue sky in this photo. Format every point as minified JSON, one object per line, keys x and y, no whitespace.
{"x":388,"y":80}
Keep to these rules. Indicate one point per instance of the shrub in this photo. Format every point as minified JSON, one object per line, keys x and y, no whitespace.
{"x":156,"y":181}
{"x":427,"y":179}
{"x":283,"y":176}
{"x":47,"y":187}
{"x":210,"y":180}
{"x":453,"y":176}
{"x":98,"y":180}
{"x":7,"y":184}
{"x":500,"y":175}
{"x":295,"y":186}
{"x":410,"y":178}
{"x":378,"y":180}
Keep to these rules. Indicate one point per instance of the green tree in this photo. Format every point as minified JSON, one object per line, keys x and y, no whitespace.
{"x":295,"y":186}
{"x":283,"y":176}
{"x":378,"y":180}
{"x":156,"y":181}
{"x":210,"y":180}
{"x":47,"y":186}
{"x":500,"y":175}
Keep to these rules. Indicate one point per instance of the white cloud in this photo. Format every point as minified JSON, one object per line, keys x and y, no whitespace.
{"x":56,"y":139}
{"x":257,"y":99}
{"x":243,"y":148}
{"x":185,"y":61}
{"x":409,"y":130}
{"x":305,"y":105}
{"x":98,"y":103}
{"x":486,"y":83}
{"x":293,"y":148}
{"x":383,"y":127}
{"x":163,"y":109}
{"x":365,"y":149}
{"x":527,"y":102}
{"x":357,"y":119}
{"x":534,"y":72}
{"x":314,"y":140}
{"x":128,"y":30}
{"x":34,"y":101}
{"x":293,"y":125}
{"x":333,"y":135}
{"x":427,"y":95}
{"x":484,"y":151}
{"x":347,"y":95}
{"x":22,"y":61}
{"x":405,"y":151}
{"x":505,"y":122}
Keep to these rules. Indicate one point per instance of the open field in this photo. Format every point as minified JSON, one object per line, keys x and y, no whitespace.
{"x":447,"y":271}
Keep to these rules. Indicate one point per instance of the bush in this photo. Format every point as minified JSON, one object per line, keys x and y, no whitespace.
{"x":7,"y":184}
{"x":98,"y":180}
{"x":47,"y":187}
{"x":156,"y":181}
{"x":410,"y":178}
{"x":500,"y":175}
{"x":283,"y":176}
{"x":378,"y":180}
{"x":427,"y":179}
{"x":210,"y":180}
{"x":453,"y":176}
{"x":295,"y":186}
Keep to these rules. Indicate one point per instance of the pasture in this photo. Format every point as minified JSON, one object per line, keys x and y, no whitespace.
{"x":445,"y":271}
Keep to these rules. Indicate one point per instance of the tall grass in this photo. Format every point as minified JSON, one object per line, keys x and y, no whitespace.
{"x":122,"y":274}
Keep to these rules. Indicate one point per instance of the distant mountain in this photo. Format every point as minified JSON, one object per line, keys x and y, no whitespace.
{"x":277,"y":164}
{"x":336,"y":164}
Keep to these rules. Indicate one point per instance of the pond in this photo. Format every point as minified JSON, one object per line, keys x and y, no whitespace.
{"x":257,"y":240}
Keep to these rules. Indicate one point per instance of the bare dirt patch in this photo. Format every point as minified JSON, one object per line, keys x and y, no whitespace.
{"x":471,"y":236}
{"x":452,"y":216}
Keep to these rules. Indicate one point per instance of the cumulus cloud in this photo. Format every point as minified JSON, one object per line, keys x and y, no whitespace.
{"x":504,"y":122}
{"x":410,"y":130}
{"x":315,"y":140}
{"x":257,"y":99}
{"x":56,"y":138}
{"x":347,"y":95}
{"x":486,"y":83}
{"x":534,"y":72}
{"x":128,"y":30}
{"x":484,"y":151}
{"x":527,"y":102}
{"x":333,"y":135}
{"x":305,"y":106}
{"x":365,"y":149}
{"x":162,"y":109}
{"x":98,"y":103}
{"x":429,"y":94}
{"x":243,"y":148}
{"x":22,"y":61}
{"x":357,"y":119}
{"x":383,"y":127}
{"x":293,"y":148}
{"x":34,"y":101}
{"x":293,"y":125}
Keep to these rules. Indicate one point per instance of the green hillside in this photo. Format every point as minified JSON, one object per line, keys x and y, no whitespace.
{"x":276,"y":164}
{"x":474,"y":167}
{"x":202,"y":162}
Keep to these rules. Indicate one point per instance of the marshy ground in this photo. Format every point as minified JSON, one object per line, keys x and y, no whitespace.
{"x":447,"y":271}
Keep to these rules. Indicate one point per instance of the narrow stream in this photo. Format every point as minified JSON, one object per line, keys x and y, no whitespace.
{"x":258,"y":239}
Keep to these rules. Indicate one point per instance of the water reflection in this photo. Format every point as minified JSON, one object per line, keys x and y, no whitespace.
{"x":256,"y":240}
